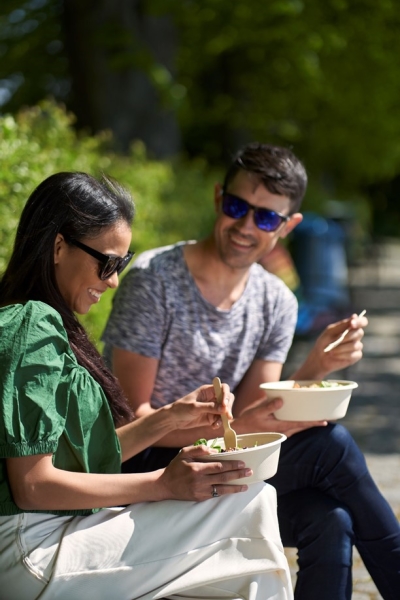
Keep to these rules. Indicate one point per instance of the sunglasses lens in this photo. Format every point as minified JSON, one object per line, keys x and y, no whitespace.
{"x":267,"y":220}
{"x":114,"y":264}
{"x":234,"y":207}
{"x":237,"y":208}
{"x":124,"y":262}
{"x":109,"y":268}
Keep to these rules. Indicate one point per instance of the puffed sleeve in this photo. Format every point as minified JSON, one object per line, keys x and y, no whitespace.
{"x":34,"y":358}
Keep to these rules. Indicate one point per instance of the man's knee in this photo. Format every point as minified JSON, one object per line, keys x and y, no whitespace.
{"x":337,"y":523}
{"x":311,"y":517}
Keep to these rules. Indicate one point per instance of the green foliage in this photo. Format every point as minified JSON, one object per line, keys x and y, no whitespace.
{"x":320,"y":76}
{"x":32,"y":52}
{"x":173,"y":201}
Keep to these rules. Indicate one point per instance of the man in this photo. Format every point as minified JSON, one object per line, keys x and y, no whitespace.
{"x":189,"y":312}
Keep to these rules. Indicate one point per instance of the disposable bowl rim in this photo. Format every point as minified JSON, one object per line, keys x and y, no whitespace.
{"x":279,"y":441}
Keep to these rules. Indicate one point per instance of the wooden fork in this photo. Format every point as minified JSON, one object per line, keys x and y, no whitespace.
{"x":229,"y":433}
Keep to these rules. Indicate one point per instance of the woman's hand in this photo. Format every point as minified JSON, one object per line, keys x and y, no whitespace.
{"x":187,"y":478}
{"x":200,"y":408}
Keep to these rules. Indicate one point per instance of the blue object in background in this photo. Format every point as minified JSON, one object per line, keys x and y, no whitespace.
{"x":319,"y":253}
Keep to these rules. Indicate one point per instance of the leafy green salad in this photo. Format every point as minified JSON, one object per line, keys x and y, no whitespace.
{"x":216,"y":446}
{"x":210,"y":444}
{"x":318,"y":384}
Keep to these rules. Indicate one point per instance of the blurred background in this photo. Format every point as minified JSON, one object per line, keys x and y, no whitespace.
{"x":161,"y":93}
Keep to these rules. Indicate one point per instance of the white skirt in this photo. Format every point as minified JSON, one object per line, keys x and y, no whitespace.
{"x":227,"y":547}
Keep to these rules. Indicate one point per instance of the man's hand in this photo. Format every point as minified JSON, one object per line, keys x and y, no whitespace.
{"x":319,"y":363}
{"x":200,"y":408}
{"x":259,"y":417}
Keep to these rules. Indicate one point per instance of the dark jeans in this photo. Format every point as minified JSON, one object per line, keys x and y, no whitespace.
{"x":327,"y":501}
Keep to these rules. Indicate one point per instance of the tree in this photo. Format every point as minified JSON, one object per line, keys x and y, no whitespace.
{"x":109,"y":61}
{"x":33,"y":62}
{"x":321,"y":77}
{"x":115,"y":51}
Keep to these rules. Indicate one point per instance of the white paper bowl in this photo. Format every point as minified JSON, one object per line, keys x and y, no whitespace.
{"x":261,"y":458}
{"x":310,"y":404}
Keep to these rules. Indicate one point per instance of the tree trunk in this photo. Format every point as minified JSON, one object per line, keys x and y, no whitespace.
{"x":113,"y":47}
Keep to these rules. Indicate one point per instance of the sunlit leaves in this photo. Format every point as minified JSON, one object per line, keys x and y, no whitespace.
{"x":320,"y":76}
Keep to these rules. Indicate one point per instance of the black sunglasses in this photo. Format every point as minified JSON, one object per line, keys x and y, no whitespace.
{"x":108,"y":264}
{"x":265,"y":219}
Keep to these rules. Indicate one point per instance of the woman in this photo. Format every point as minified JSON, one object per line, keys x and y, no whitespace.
{"x":65,"y":427}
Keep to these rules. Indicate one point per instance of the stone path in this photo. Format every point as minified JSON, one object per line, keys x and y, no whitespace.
{"x":373,"y":416}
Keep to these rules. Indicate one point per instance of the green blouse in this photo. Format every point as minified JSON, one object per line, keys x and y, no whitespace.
{"x":49,"y":403}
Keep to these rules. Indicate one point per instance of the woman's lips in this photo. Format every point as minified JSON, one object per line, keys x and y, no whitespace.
{"x":96,"y":295}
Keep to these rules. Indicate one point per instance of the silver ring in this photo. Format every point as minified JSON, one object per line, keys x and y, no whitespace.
{"x":214,"y":493}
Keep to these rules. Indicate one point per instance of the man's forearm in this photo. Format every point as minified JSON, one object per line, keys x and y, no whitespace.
{"x":310,"y":369}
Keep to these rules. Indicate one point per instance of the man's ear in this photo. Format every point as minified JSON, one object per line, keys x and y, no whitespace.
{"x":59,"y":245}
{"x":294,"y":220}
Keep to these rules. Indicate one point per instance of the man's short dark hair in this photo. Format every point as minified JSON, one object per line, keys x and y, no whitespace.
{"x":280,"y":171}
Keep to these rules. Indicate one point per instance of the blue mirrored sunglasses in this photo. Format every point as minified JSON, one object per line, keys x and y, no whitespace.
{"x":265,"y":219}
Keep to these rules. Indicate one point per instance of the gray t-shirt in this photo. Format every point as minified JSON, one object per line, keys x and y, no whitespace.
{"x":159,"y":312}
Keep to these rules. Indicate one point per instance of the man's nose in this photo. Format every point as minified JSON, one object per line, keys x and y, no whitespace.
{"x":247,"y":222}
